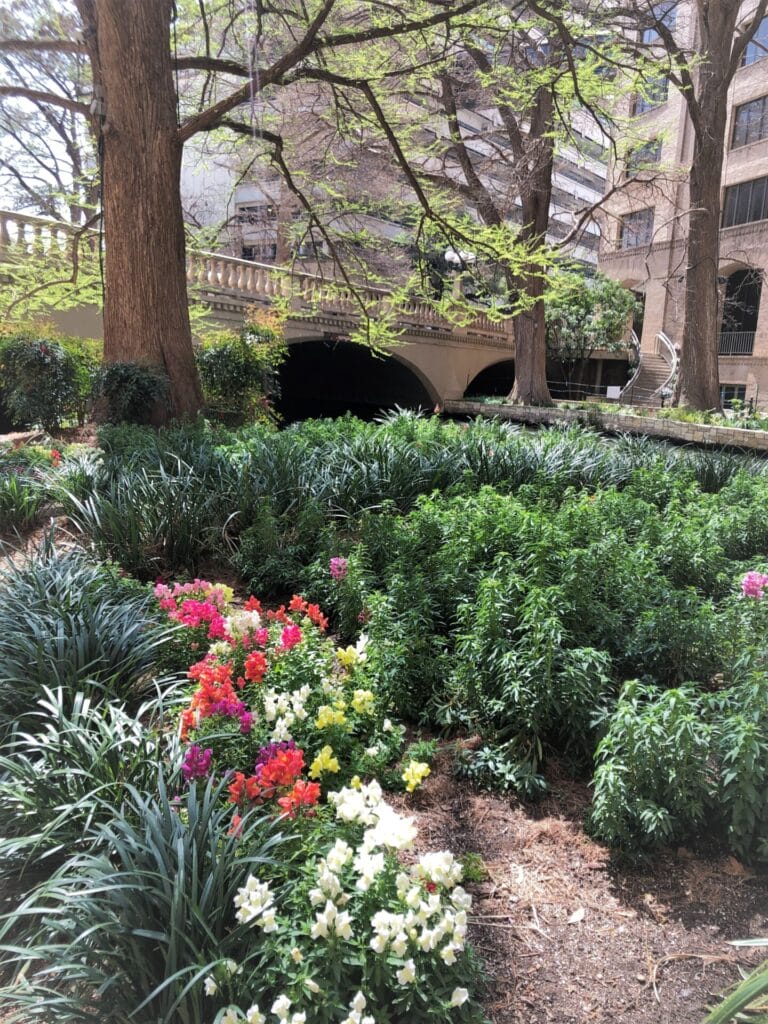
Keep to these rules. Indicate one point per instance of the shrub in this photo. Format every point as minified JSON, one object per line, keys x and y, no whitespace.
{"x":238,"y":371}
{"x":38,"y":381}
{"x":132,"y":391}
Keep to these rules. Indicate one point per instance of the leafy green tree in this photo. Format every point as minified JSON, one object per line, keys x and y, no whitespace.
{"x":583,"y":315}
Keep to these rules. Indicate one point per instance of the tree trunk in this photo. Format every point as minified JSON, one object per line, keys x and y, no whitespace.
{"x":530,"y":387}
{"x":698,"y":383}
{"x":146,"y":316}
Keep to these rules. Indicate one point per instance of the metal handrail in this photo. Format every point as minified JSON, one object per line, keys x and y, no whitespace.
{"x":668,"y":352}
{"x":628,"y":389}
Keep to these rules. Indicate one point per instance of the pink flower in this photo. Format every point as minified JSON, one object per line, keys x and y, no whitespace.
{"x":290,"y":636}
{"x":753,"y":584}
{"x":338,"y":568}
{"x":197,"y":763}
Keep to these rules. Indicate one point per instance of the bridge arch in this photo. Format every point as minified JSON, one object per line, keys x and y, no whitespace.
{"x":495,"y":379}
{"x":328,"y":378}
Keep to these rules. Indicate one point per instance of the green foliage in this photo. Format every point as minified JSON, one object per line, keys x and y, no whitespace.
{"x":746,"y":1002}
{"x":143,"y":917}
{"x":132,"y":391}
{"x":38,"y":381}
{"x":473,"y":867}
{"x":587,"y":313}
{"x":238,"y":371}
{"x":68,"y":769}
{"x":68,"y":622}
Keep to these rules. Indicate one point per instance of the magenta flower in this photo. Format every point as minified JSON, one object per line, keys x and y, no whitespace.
{"x":753,"y":584}
{"x":338,"y":568}
{"x":290,"y":636}
{"x":197,"y":763}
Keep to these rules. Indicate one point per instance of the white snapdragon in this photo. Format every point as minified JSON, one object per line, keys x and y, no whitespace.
{"x":357,"y":805}
{"x":282,"y":728}
{"x":459,"y":996}
{"x":241,"y":622}
{"x":368,"y":866}
{"x":339,"y":855}
{"x":442,"y":868}
{"x":253,"y":1015}
{"x":312,"y":985}
{"x":210,"y":987}
{"x":330,"y":921}
{"x":255,"y":904}
{"x":269,"y":698}
{"x":281,"y":1006}
{"x":407,"y":974}
{"x":461,"y":899}
{"x":391,"y":829}
{"x":231,"y":1016}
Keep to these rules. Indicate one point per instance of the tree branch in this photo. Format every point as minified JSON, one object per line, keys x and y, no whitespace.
{"x":59,"y":45}
{"x":44,"y":97}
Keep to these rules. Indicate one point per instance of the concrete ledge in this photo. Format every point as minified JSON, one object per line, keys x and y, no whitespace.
{"x":671,"y":430}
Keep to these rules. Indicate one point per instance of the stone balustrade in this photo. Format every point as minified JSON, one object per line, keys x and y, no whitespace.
{"x":241,"y":282}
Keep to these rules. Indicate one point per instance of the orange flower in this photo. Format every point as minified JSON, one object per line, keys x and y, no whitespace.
{"x":316,"y":616}
{"x":255,"y":666}
{"x":303,"y":794}
{"x":243,"y":789}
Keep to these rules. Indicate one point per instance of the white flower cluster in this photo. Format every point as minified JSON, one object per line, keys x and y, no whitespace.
{"x":256,"y":904}
{"x":356,"y":1009}
{"x":331,"y":921}
{"x":283,"y":709}
{"x":241,"y":622}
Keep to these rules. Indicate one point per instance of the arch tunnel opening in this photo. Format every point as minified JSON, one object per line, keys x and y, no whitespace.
{"x":330,"y":378}
{"x":494,"y":381}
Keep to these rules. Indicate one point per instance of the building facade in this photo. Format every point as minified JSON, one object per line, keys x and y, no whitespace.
{"x":644,"y":240}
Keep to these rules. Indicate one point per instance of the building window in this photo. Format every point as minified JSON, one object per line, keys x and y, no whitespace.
{"x":255,"y":213}
{"x":642,"y":157}
{"x":746,"y":202}
{"x":665,"y":13}
{"x":750,"y":123}
{"x":730,"y":393}
{"x":636,"y":229}
{"x":757,"y":47}
{"x":655,"y":94}
{"x":266,"y":251}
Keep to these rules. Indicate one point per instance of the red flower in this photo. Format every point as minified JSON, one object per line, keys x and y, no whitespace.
{"x":243,"y":789}
{"x":236,"y":827}
{"x":303,"y":794}
{"x":253,"y":605}
{"x":279,"y":615}
{"x":297,"y":604}
{"x":316,"y":617}
{"x":255,"y":666}
{"x":282,"y":770}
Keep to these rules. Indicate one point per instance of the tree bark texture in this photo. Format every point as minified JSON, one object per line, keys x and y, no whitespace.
{"x":698,"y":384}
{"x":146,"y":316}
{"x":530,"y":387}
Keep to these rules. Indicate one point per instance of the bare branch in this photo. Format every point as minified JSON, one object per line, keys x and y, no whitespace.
{"x":44,"y":97}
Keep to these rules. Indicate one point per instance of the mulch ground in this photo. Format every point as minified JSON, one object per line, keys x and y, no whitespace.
{"x":571,"y":936}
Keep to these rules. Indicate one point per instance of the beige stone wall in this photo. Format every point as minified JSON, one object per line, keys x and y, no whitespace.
{"x":658,"y":269}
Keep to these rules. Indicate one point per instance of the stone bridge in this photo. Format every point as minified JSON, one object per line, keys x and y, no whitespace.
{"x":434,"y":361}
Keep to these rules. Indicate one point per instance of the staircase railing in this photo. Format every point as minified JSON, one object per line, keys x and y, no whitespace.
{"x":625,"y":395}
{"x":668,"y":352}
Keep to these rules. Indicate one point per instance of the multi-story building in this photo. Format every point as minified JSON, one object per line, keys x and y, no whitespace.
{"x":644,"y":243}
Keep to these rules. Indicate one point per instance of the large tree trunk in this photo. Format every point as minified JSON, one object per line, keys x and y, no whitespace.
{"x":698,"y":384}
{"x":146,"y":317}
{"x":530,"y":387}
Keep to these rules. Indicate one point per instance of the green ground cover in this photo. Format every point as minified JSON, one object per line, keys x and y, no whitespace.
{"x":561,"y":596}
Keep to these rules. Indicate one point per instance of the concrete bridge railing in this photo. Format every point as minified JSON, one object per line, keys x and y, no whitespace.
{"x":234,"y":283}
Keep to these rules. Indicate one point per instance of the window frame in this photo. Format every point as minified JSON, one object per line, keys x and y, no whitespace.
{"x":623,"y":234}
{"x":762,"y":121}
{"x":738,"y":202}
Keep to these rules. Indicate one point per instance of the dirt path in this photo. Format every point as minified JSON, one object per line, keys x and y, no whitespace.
{"x":571,"y":937}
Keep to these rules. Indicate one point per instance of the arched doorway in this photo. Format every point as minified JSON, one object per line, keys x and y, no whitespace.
{"x":495,"y":380}
{"x":741,"y":306}
{"x":329,"y":378}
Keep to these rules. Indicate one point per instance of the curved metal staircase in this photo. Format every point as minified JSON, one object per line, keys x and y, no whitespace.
{"x":654,"y":376}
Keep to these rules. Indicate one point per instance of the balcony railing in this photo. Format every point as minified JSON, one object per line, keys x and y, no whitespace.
{"x":736,"y":343}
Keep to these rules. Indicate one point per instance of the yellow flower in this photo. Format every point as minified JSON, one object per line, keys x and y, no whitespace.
{"x":414,"y":774}
{"x":363,"y":701}
{"x":356,"y":782}
{"x":324,"y":762}
{"x":226,"y":592}
{"x":347,"y":657}
{"x":328,"y":716}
